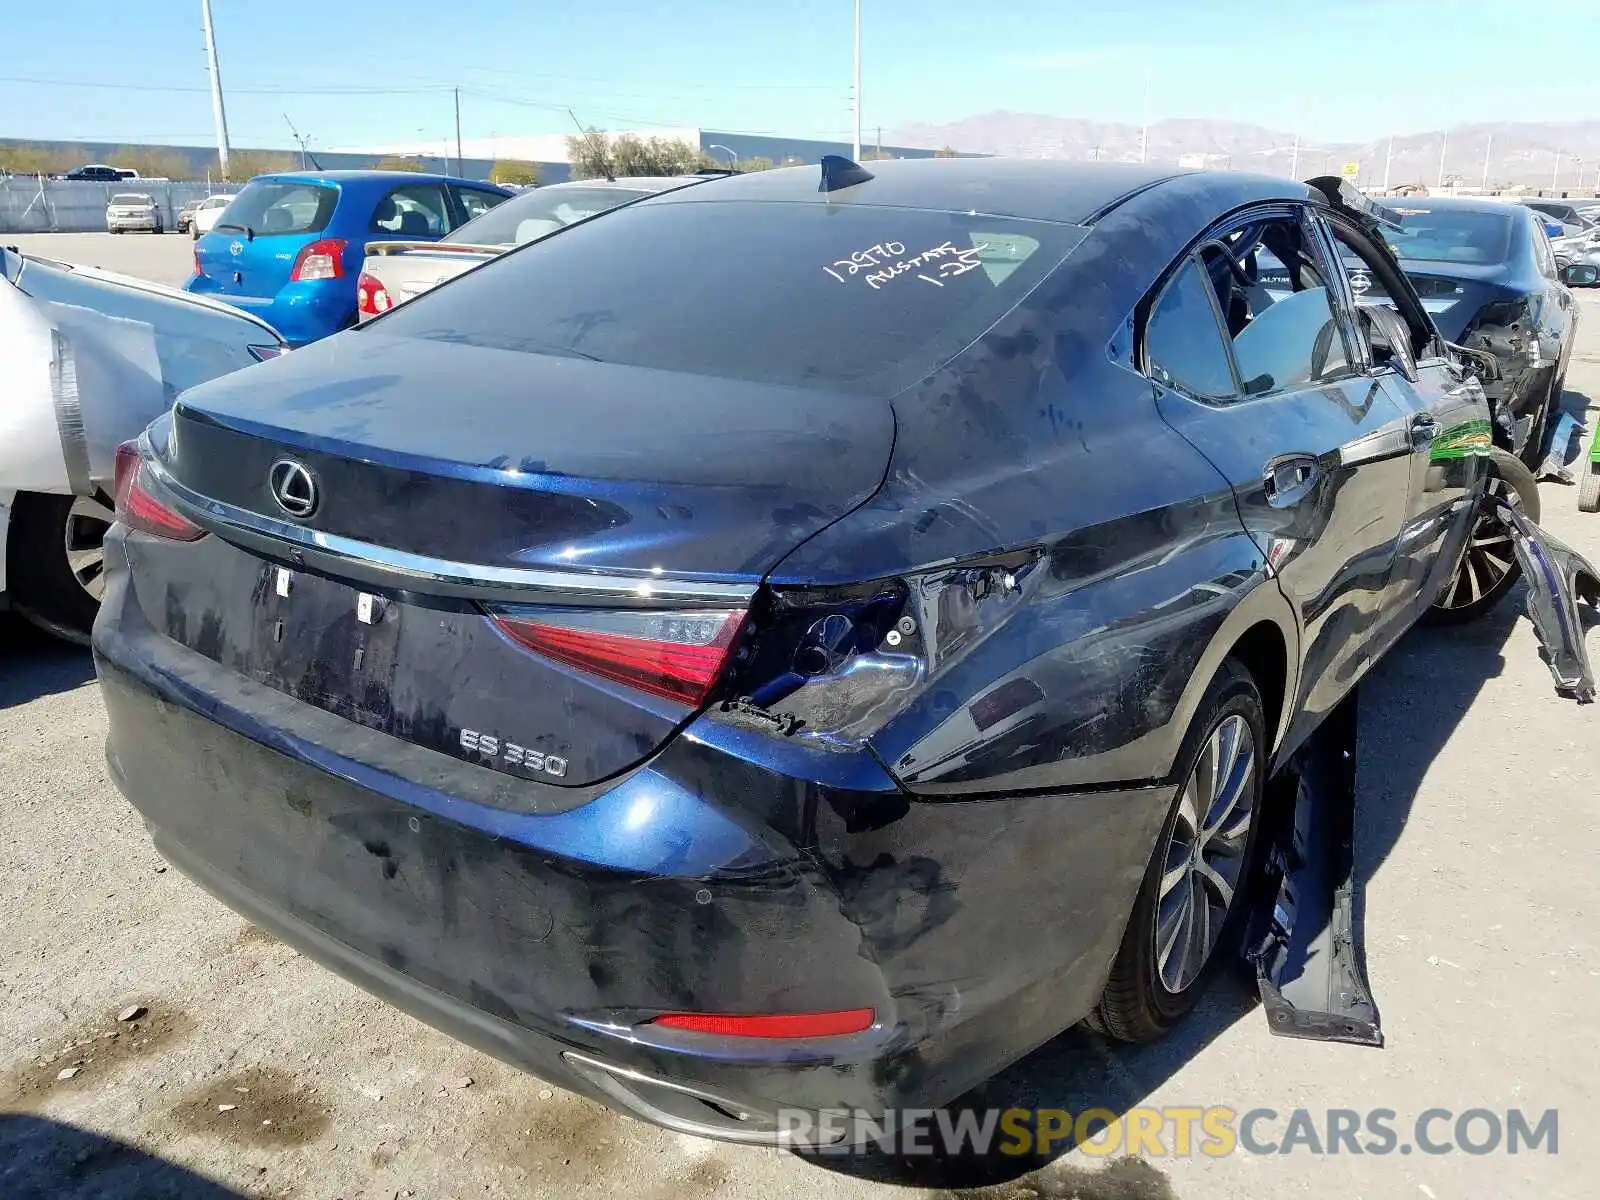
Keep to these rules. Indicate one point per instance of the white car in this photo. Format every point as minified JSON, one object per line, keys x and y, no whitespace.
{"x":133,"y":210}
{"x":88,"y":358}
{"x":207,"y":212}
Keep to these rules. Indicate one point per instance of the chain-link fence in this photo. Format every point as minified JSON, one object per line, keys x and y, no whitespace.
{"x":31,"y":204}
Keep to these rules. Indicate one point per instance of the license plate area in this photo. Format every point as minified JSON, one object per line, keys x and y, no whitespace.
{"x":326,"y":643}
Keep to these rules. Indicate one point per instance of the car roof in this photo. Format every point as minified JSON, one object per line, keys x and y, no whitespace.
{"x":345,"y":177}
{"x":1041,"y":189}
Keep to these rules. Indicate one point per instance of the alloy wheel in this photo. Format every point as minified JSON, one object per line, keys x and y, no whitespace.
{"x":1489,"y":556}
{"x":83,"y":539}
{"x":1205,"y":854}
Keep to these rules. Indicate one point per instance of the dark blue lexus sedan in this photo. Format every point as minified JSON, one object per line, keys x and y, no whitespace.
{"x":797,"y":644}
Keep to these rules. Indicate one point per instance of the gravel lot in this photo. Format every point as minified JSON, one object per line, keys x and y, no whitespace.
{"x":253,"y":1072}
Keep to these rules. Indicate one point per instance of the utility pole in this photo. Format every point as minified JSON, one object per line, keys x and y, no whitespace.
{"x":218,"y":114}
{"x":1487,"y":151}
{"x":856,"y":92}
{"x":1144,"y":121}
{"x":300,"y":140}
{"x":1555,"y":173}
{"x":459,"y":167}
{"x":880,"y":141}
{"x":1294,"y":157}
{"x":1443,"y":150}
{"x":1388,"y":162}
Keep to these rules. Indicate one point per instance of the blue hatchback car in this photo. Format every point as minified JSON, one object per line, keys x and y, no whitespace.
{"x":289,"y":247}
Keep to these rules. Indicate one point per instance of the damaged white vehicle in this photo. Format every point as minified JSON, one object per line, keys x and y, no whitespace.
{"x":87,"y":359}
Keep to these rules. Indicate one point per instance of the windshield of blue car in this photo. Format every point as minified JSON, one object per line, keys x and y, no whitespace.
{"x":271,"y":206}
{"x":1450,"y":235}
{"x":838,"y":297}
{"x":534,"y":214}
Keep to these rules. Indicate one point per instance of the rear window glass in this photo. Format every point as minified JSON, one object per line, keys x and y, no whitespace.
{"x":840,"y":297}
{"x":268,"y":206}
{"x":1450,"y":235}
{"x":534,"y":214}
{"x":129,"y":198}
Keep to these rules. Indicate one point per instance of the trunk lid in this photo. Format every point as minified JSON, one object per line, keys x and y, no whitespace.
{"x":406,"y":269}
{"x":1453,"y":294}
{"x":453,"y":479}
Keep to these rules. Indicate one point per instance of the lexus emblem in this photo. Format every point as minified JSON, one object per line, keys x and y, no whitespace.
{"x":1360,"y":283}
{"x":293,"y":487}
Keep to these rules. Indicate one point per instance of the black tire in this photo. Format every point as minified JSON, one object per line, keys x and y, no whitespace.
{"x":1589,"y":488}
{"x":1488,"y":568}
{"x":1137,"y":1005}
{"x":41,"y":580}
{"x":1533,"y":449}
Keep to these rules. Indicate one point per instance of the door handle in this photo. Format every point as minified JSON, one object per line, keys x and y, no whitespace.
{"x":1286,"y":480}
{"x":1423,"y":430}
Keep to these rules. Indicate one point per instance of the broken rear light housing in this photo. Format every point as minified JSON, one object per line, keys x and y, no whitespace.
{"x":841,"y":1023}
{"x":138,"y":510}
{"x":677,"y":655}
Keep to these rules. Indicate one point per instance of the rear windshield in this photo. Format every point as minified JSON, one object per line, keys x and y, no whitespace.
{"x":534,"y":214}
{"x":1450,"y":235}
{"x":268,"y":206}
{"x":840,"y":297}
{"x":129,"y":198}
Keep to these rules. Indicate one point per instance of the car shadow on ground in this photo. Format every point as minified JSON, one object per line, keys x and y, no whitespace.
{"x":1410,"y":705}
{"x":34,"y":664}
{"x":41,"y":1159}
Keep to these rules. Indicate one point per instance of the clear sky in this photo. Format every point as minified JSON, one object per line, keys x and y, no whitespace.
{"x":361,"y":72}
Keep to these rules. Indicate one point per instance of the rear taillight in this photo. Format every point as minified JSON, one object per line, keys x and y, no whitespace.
{"x":372,"y":297}
{"x":321,"y":259}
{"x":675,"y":655}
{"x":138,"y":509}
{"x":198,"y":269}
{"x":771,"y":1025}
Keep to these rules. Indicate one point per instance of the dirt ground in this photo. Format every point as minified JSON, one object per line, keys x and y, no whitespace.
{"x":244,"y":1069}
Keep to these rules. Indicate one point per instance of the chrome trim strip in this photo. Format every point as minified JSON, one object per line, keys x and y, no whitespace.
{"x":400,"y":569}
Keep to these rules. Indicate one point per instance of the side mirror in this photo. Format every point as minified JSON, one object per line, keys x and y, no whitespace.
{"x":1580,"y":275}
{"x":1390,"y":338}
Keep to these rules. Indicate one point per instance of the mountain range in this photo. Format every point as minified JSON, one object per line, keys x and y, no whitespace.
{"x":1516,"y":153}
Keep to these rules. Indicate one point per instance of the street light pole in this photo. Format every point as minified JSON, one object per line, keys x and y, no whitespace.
{"x":1555,"y":172}
{"x":1443,"y":150}
{"x":855,"y":155}
{"x":733,"y":159}
{"x":1487,"y":151}
{"x":218,"y":115}
{"x":1388,"y":162}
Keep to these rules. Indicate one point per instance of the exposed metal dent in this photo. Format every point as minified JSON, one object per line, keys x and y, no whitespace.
{"x":1558,"y":578}
{"x":1303,"y":938}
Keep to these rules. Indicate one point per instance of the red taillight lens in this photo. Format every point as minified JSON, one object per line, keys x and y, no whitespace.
{"x":321,"y":259}
{"x":198,"y":269}
{"x":772,"y":1025}
{"x":372,"y":297}
{"x":675,"y":655}
{"x":138,"y":509}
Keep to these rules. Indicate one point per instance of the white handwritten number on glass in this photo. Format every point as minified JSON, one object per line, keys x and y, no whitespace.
{"x":931,"y":266}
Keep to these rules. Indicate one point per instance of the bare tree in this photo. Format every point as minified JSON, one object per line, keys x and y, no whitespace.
{"x":758,"y":163}
{"x":945,"y":152}
{"x":247,"y":164}
{"x":590,"y":155}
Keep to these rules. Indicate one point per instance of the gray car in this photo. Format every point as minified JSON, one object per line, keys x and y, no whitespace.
{"x":134,"y":210}
{"x":90,"y":358}
{"x":395,"y":271}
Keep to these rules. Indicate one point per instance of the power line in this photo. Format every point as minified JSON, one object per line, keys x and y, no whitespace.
{"x":272,"y":91}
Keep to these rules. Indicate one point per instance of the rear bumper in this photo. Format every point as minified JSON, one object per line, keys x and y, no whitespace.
{"x":300,"y":312}
{"x":975,"y":931}
{"x":147,"y":223}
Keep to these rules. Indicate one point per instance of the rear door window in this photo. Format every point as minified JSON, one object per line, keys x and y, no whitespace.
{"x":413,"y":210}
{"x":1183,"y":342}
{"x":843,"y":297}
{"x":277,"y":206}
{"x":475,"y":201}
